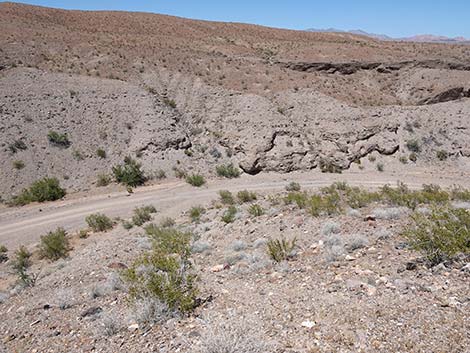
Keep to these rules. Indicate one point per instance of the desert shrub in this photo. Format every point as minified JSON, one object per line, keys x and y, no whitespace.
{"x":150,"y":311}
{"x":403,"y":159}
{"x":280,"y":250}
{"x":246,"y":196}
{"x":54,"y":245}
{"x":21,"y":264}
{"x":196,"y":212}
{"x":143,"y":215}
{"x":17,"y":145}
{"x":159,"y":174}
{"x":442,"y":155}
{"x":459,"y":193}
{"x":413,"y":157}
{"x":293,"y":186}
{"x":234,"y":336}
{"x":169,"y":102}
{"x":47,"y":189}
{"x":413,"y":146}
{"x":372,"y":158}
{"x":330,"y":228}
{"x":392,"y":213}
{"x":226,"y":197}
{"x":380,"y":167}
{"x":99,"y":222}
{"x":103,"y":180}
{"x":58,"y":139}
{"x":111,"y":325}
{"x":300,"y":199}
{"x":3,"y":253}
{"x":196,"y":180}
{"x":167,"y":222}
{"x":129,"y":173}
{"x":165,"y":272}
{"x":229,"y":215}
{"x":83,"y":233}
{"x":228,"y":171}
{"x":328,"y":166}
{"x":179,"y":173}
{"x":18,"y":165}
{"x":101,"y":153}
{"x":356,"y":241}
{"x":441,"y":234}
{"x":77,"y":155}
{"x":200,"y":247}
{"x":256,"y":210}
{"x":127,"y":225}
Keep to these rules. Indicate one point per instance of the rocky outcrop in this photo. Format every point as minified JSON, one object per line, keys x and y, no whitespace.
{"x":447,"y":96}
{"x":350,"y":68}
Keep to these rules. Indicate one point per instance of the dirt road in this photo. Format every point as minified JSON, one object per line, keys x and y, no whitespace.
{"x":25,"y":225}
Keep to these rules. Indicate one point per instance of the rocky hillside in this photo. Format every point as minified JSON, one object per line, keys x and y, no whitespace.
{"x":177,"y":93}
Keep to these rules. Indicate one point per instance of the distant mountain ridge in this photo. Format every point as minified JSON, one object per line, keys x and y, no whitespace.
{"x":422,"y":38}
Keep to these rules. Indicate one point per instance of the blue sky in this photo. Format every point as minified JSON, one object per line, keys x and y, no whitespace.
{"x":392,"y":17}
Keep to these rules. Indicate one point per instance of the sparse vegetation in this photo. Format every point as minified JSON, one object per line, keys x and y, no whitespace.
{"x":18,"y":165}
{"x":58,"y":139}
{"x":3,"y":253}
{"x":327,"y":166}
{"x":179,"y":173}
{"x":195,"y":213}
{"x":293,"y":186}
{"x":101,"y":153}
{"x":413,"y":146}
{"x":280,"y":250}
{"x":21,"y":264}
{"x":143,"y":215}
{"x":99,"y":222}
{"x":77,"y":155}
{"x":165,"y":272}
{"x":229,"y":215}
{"x":228,"y":171}
{"x":441,"y":234}
{"x":129,"y":173}
{"x":256,"y":210}
{"x":55,"y":245}
{"x":226,"y":197}
{"x":103,"y":180}
{"x":245,"y":196}
{"x":47,"y":189}
{"x":17,"y":145}
{"x":196,"y":180}
{"x":167,"y":222}
{"x":442,"y":155}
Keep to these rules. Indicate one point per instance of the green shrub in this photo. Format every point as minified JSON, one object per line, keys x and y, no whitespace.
{"x":127,"y":225}
{"x":413,"y":146}
{"x":83,"y":233}
{"x":129,"y":173}
{"x":196,"y":212}
{"x":226,"y":197}
{"x":58,"y":139}
{"x":280,"y":250}
{"x":99,"y":222}
{"x":372,"y":158}
{"x":101,"y":153}
{"x":195,"y":180}
{"x":246,"y":196}
{"x":143,"y":215}
{"x":442,"y":155}
{"x":18,"y":165}
{"x":47,"y":189}
{"x":21,"y":264}
{"x":228,"y":171}
{"x":165,"y":273}
{"x":293,"y":186}
{"x":256,"y":210}
{"x":413,"y":157}
{"x":441,"y":234}
{"x":299,"y":198}
{"x":103,"y":180}
{"x":403,"y":159}
{"x":229,"y":215}
{"x":459,"y":193}
{"x":77,"y":155}
{"x":17,"y":145}
{"x":54,"y":245}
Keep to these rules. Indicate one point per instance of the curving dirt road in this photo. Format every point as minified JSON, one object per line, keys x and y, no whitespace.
{"x":25,"y":225}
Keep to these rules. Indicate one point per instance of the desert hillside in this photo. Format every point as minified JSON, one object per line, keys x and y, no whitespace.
{"x":192,"y":94}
